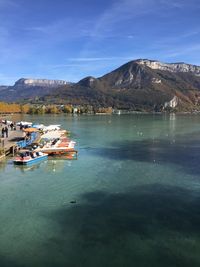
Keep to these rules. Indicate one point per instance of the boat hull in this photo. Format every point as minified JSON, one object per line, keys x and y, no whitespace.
{"x":30,"y":161}
{"x":57,"y":151}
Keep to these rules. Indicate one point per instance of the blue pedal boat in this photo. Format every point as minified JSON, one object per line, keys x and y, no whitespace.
{"x":27,"y":158}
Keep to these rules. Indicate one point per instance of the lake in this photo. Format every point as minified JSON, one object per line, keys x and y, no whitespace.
{"x":132,"y":198}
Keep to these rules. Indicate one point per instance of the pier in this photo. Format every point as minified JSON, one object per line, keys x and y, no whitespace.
{"x":20,"y":138}
{"x":8,"y":144}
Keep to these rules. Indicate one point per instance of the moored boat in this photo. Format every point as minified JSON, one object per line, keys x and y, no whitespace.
{"x":58,"y":146}
{"x":30,"y":158}
{"x":24,"y":123}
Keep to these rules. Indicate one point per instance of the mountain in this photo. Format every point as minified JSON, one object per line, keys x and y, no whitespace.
{"x":39,"y":82}
{"x":171,"y":67}
{"x":29,"y":89}
{"x":141,"y":84}
{"x":3,"y":87}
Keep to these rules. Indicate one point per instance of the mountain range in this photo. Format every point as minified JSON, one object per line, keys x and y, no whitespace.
{"x":139,"y":85}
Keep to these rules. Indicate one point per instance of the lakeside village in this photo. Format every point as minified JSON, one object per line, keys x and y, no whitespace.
{"x":11,"y":108}
{"x":29,"y":143}
{"x":41,"y":108}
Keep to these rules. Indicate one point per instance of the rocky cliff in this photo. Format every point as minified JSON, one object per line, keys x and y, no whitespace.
{"x":27,"y":89}
{"x":39,"y":82}
{"x":171,"y":67}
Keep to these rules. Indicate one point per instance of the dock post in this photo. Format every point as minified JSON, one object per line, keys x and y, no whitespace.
{"x":2,"y":148}
{"x":3,"y":145}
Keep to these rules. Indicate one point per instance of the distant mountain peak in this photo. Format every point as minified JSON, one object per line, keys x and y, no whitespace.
{"x":39,"y":82}
{"x":87,"y":81}
{"x":145,"y":60}
{"x":171,"y":67}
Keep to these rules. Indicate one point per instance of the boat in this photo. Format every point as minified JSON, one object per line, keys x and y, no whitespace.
{"x":58,"y":147}
{"x":42,"y":127}
{"x":24,"y":123}
{"x":52,"y":135}
{"x":52,"y":127}
{"x":28,"y":157}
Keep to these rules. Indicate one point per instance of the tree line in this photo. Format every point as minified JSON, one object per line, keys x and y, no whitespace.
{"x":9,"y":108}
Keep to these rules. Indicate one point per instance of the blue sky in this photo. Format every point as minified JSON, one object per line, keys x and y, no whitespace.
{"x":71,"y":39}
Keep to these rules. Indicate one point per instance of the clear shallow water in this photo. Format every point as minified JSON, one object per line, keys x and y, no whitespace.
{"x":136,"y":184}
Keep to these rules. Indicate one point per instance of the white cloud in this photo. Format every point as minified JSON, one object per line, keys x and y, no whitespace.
{"x":122,"y":11}
{"x":91,"y":59}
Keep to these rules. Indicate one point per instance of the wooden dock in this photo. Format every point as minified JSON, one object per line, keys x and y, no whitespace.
{"x":8,"y":145}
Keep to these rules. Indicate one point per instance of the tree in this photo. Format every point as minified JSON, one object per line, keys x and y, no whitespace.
{"x":67,"y":109}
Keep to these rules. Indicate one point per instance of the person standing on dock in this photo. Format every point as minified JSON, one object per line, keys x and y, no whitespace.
{"x":11,"y":126}
{"x":2,"y":132}
{"x":6,"y":131}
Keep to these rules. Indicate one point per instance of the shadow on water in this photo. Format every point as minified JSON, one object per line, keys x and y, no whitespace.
{"x":5,"y":262}
{"x":152,"y":225}
{"x":181,"y":151}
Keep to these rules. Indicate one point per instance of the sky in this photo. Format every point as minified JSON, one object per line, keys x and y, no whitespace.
{"x":72,"y":39}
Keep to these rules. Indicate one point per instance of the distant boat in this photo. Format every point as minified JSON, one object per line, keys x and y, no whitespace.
{"x":24,"y":123}
{"x":27,"y":158}
{"x":117,"y":111}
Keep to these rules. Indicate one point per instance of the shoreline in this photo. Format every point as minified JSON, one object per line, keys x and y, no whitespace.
{"x":120,"y":112}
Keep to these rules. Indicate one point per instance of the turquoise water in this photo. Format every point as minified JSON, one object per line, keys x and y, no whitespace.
{"x":132,"y":198}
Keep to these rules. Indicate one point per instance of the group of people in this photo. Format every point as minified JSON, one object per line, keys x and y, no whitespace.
{"x":4,"y":129}
{"x":4,"y":132}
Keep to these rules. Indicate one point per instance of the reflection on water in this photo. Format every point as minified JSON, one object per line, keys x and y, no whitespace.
{"x":3,"y":163}
{"x":51,"y":165}
{"x":31,"y":167}
{"x":66,"y":156}
{"x":54,"y":165}
{"x":172,"y":124}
